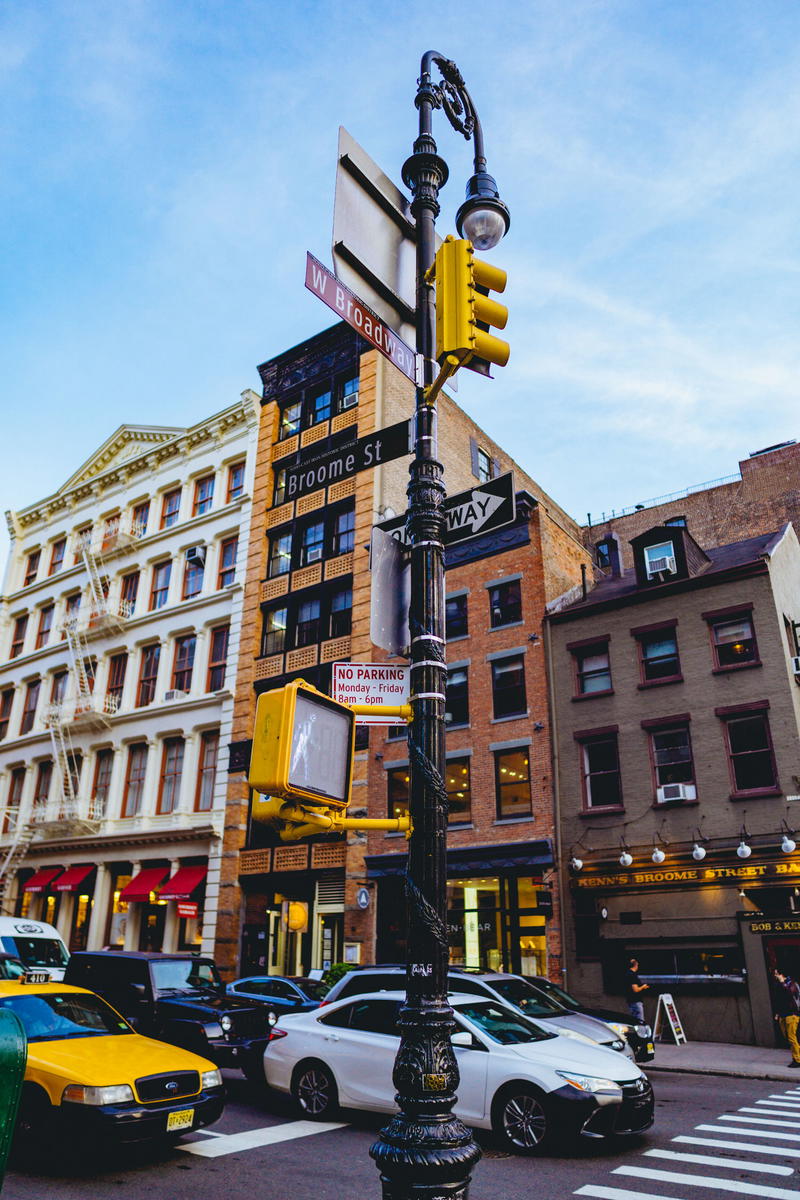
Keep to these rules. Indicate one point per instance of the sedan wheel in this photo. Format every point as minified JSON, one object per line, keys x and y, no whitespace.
{"x":314,"y":1089}
{"x":521,"y":1121}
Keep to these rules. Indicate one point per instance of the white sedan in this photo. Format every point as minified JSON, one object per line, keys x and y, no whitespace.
{"x":527,"y":1084}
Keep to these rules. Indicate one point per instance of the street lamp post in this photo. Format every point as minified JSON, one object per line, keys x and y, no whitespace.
{"x":424,"y":1152}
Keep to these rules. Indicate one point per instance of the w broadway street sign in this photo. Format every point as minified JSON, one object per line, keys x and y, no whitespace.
{"x":370,"y":451}
{"x":347,"y":305}
{"x":480,"y":510}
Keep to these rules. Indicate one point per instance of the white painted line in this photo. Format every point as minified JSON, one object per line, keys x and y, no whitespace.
{"x":774,"y":1112}
{"x":757,"y":1120}
{"x":785,"y":1097}
{"x":778,"y":1102}
{"x":607,"y":1193}
{"x":723,"y":1185}
{"x":758,"y":1133}
{"x":711,"y":1160}
{"x":250,"y":1139}
{"x":783,"y":1151}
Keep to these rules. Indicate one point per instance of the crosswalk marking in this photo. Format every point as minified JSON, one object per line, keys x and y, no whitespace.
{"x":758,"y":1133}
{"x":757,"y":1120}
{"x":777,"y":1102}
{"x":249,"y":1139}
{"x":784,"y":1097}
{"x":723,"y":1185}
{"x":783,"y":1151}
{"x":712,"y":1160}
{"x":612,"y":1193}
{"x":773,"y":1112}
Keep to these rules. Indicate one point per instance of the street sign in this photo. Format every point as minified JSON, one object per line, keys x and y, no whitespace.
{"x":379,"y":684}
{"x":350,"y":308}
{"x":362,"y":897}
{"x":482,"y":509}
{"x":372,"y":450}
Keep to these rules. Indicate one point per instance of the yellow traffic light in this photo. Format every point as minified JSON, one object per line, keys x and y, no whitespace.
{"x":303,"y":745}
{"x":464,"y":309}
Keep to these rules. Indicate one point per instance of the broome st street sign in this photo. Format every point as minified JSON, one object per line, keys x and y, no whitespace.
{"x":347,"y":305}
{"x":370,"y":451}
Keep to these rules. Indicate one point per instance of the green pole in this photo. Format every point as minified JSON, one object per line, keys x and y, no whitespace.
{"x":13,"y":1056}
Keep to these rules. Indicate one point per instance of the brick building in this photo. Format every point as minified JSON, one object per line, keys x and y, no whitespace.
{"x":292,"y":907}
{"x":676,"y":713}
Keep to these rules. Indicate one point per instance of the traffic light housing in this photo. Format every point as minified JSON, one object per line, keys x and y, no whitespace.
{"x":303,"y":744}
{"x":464,"y":309}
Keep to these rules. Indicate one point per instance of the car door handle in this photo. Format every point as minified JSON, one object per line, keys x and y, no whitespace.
{"x":331,"y":1037}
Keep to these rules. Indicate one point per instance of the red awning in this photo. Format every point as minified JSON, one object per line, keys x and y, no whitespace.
{"x":184,"y":882}
{"x":40,"y":880}
{"x":143,"y":884}
{"x":72,"y":878}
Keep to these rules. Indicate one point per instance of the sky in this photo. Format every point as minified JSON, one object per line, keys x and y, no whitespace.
{"x":166,"y":164}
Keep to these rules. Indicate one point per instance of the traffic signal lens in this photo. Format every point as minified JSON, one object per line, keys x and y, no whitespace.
{"x":319,"y":760}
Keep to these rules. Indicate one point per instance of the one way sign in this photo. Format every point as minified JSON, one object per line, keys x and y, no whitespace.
{"x":483,"y":508}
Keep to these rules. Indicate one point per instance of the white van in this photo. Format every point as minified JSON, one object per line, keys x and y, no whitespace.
{"x":38,"y":945}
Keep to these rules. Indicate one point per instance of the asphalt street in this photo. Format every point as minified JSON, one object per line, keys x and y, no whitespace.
{"x":712,"y":1138}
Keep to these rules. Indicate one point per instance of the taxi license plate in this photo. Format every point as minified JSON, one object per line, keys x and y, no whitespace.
{"x":651,"y":1048}
{"x":180,"y":1120}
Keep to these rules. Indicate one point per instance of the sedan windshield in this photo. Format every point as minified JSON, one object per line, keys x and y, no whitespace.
{"x":54,"y":1016}
{"x":502,"y":1025}
{"x":38,"y":951}
{"x":556,"y":993}
{"x":185,"y":975}
{"x":522,"y":995}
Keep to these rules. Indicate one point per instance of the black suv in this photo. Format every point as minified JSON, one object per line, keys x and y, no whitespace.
{"x":178,"y":998}
{"x":638,"y":1034}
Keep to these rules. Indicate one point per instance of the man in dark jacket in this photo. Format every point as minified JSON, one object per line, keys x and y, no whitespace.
{"x":786,"y":1005}
{"x":633,"y":989}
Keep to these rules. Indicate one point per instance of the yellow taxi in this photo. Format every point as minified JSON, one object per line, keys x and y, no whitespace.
{"x":89,"y":1072}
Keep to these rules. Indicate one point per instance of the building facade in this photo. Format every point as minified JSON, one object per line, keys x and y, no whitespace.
{"x":676,"y":713}
{"x":121,"y":610}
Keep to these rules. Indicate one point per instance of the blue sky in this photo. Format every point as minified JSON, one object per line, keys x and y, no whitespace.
{"x":166,"y":164}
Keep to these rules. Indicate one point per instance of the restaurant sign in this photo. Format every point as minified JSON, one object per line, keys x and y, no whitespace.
{"x":699,"y":875}
{"x":783,"y":925}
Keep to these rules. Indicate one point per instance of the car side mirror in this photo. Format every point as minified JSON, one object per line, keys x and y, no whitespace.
{"x":138,"y":991}
{"x":462,"y":1038}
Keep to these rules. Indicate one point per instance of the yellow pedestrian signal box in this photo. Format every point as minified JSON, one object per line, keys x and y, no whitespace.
{"x":303,"y":745}
{"x":464,"y":308}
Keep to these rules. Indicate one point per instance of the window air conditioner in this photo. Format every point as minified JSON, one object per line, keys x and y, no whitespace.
{"x":196,"y":556}
{"x":174,"y":694}
{"x":674,"y":791}
{"x":313,"y":554}
{"x":796,"y":665}
{"x":656,"y":565}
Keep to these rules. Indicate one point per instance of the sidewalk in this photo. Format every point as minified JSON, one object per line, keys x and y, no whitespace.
{"x":720,"y":1058}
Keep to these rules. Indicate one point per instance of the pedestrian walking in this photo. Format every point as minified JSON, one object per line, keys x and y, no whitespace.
{"x":633,"y":989}
{"x":786,"y":1006}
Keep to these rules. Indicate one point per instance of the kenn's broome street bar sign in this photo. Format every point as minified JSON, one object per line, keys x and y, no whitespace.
{"x":370,"y":451}
{"x":347,"y":305}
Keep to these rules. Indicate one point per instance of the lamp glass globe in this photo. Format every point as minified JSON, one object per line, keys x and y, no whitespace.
{"x":625,"y":859}
{"x":743,"y":850}
{"x":484,"y":227}
{"x":658,"y":855}
{"x":788,"y":845}
{"x":576,"y":863}
{"x":698,"y":852}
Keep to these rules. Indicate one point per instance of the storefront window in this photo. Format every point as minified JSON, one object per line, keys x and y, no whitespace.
{"x":80,"y":922}
{"x":119,"y":913}
{"x":473,"y":920}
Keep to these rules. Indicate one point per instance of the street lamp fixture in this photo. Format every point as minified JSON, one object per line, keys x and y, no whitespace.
{"x":483,"y":217}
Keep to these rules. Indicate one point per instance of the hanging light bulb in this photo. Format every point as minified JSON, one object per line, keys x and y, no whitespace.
{"x":576,"y":863}
{"x":743,"y":850}
{"x":658,"y":855}
{"x":625,"y":859}
{"x":698,"y":852}
{"x":788,"y":845}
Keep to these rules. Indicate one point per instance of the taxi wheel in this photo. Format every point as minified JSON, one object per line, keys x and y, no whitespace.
{"x":314,"y":1090}
{"x":34,"y":1121}
{"x":521,"y":1119}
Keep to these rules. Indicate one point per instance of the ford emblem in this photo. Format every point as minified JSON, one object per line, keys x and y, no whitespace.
{"x":28,"y":928}
{"x":172,"y":1086}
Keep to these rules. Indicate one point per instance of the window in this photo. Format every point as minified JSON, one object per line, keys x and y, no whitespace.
{"x":658,"y":656}
{"x":41,"y":788}
{"x":171,"y":771}
{"x":130,"y":589}
{"x":681,"y":521}
{"x":508,"y":686}
{"x":83,"y":540}
{"x":59,"y":689}
{"x":512,"y":783}
{"x":602,"y":785}
{"x":101,"y":786}
{"x":207,"y":771}
{"x":184,"y":663}
{"x":15,"y":786}
{"x":159,"y":588}
{"x":90,"y":672}
{"x":307,"y":629}
{"x":459,"y":799}
{"x":6,"y":701}
{"x":218,"y":658}
{"x":273,"y":631}
{"x":227,"y":562}
{"x":659,"y":558}
{"x":133,"y":792}
{"x":752,"y":762}
{"x":73,"y":775}
{"x":193,"y":572}
{"x":57,"y":556}
{"x":279,"y":485}
{"x":505,"y":603}
{"x":341,"y":618}
{"x":29,"y":707}
{"x":455,"y":616}
{"x":45,"y":625}
{"x":203,"y":495}
{"x":117,"y":666}
{"x":312,"y":543}
{"x":672,"y":758}
{"x":32,"y":568}
{"x":280,"y":555}
{"x":170,"y":508}
{"x":319,"y":408}
{"x":592,"y":669}
{"x":397,"y":780}
{"x":457,"y":702}
{"x":290,"y":420}
{"x":18,"y":636}
{"x":349,"y":394}
{"x":139,"y":519}
{"x":734,"y":642}
{"x":110,"y":532}
{"x":148,"y":675}
{"x":235,"y":482}
{"x":482,"y":466}
{"x":344,"y":531}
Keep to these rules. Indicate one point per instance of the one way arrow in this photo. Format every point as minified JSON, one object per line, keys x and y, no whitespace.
{"x":475,"y":512}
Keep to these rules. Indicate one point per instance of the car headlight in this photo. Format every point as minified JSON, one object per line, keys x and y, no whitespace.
{"x":620,"y":1030}
{"x":78,"y":1093}
{"x":211,"y":1079}
{"x":617,"y":1044}
{"x":577,"y":1037}
{"x":226,"y":1023}
{"x":589,"y":1083}
{"x":644,"y":1031}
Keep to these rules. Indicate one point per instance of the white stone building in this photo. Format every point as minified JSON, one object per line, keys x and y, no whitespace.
{"x":119,"y":635}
